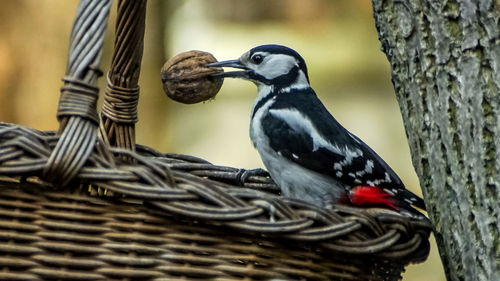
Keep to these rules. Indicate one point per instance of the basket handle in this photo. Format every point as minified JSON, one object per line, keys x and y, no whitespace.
{"x":119,"y":111}
{"x":77,"y":113}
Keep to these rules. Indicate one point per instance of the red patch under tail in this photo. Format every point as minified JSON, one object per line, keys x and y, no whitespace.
{"x":372,"y":195}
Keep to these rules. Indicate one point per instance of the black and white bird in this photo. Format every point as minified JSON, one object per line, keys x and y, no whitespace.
{"x":306,"y":151}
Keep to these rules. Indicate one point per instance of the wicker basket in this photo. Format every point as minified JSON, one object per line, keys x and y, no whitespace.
{"x":87,"y":203}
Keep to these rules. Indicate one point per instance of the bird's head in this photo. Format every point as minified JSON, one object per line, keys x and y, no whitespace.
{"x":271,"y":65}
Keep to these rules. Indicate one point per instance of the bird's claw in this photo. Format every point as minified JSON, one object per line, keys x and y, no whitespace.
{"x":244,"y":174}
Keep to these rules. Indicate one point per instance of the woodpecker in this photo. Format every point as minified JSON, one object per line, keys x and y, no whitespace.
{"x":307,"y":152}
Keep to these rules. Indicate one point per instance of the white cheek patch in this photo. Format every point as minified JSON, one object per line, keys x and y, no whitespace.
{"x":275,"y":65}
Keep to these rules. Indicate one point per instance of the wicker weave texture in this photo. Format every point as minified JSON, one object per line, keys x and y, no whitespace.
{"x":73,"y":237}
{"x":172,"y":195}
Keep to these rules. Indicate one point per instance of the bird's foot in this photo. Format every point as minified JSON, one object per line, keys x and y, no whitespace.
{"x":244,"y":174}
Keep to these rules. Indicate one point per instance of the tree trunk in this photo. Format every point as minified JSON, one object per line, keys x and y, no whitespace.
{"x":445,"y":60}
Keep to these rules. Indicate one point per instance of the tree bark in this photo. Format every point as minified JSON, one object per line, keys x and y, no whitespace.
{"x":445,"y":60}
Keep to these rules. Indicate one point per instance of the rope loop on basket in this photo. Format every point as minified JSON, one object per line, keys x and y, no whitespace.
{"x":77,"y":111}
{"x":120,"y":103}
{"x":78,"y":98}
{"x":119,"y":111}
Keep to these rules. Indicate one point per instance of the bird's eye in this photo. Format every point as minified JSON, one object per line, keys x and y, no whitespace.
{"x":257,"y":59}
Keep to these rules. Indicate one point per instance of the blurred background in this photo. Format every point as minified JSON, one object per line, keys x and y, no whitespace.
{"x":337,"y":39}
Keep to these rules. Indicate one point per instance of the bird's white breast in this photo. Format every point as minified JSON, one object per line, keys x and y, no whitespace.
{"x":294,"y":180}
{"x":256,"y":132}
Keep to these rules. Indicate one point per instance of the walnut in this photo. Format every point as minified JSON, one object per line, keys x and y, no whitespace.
{"x":186,"y":80}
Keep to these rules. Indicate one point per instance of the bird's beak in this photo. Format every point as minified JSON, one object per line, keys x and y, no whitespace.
{"x":232,"y":74}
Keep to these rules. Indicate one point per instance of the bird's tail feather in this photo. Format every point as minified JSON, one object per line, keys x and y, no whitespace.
{"x":412,"y":199}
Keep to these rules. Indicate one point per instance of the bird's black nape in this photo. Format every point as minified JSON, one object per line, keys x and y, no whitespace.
{"x":280,"y":49}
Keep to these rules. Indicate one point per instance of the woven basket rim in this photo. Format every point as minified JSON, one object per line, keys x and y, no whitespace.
{"x":193,"y":188}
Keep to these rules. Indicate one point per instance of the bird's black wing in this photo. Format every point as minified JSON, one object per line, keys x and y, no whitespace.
{"x":301,"y":129}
